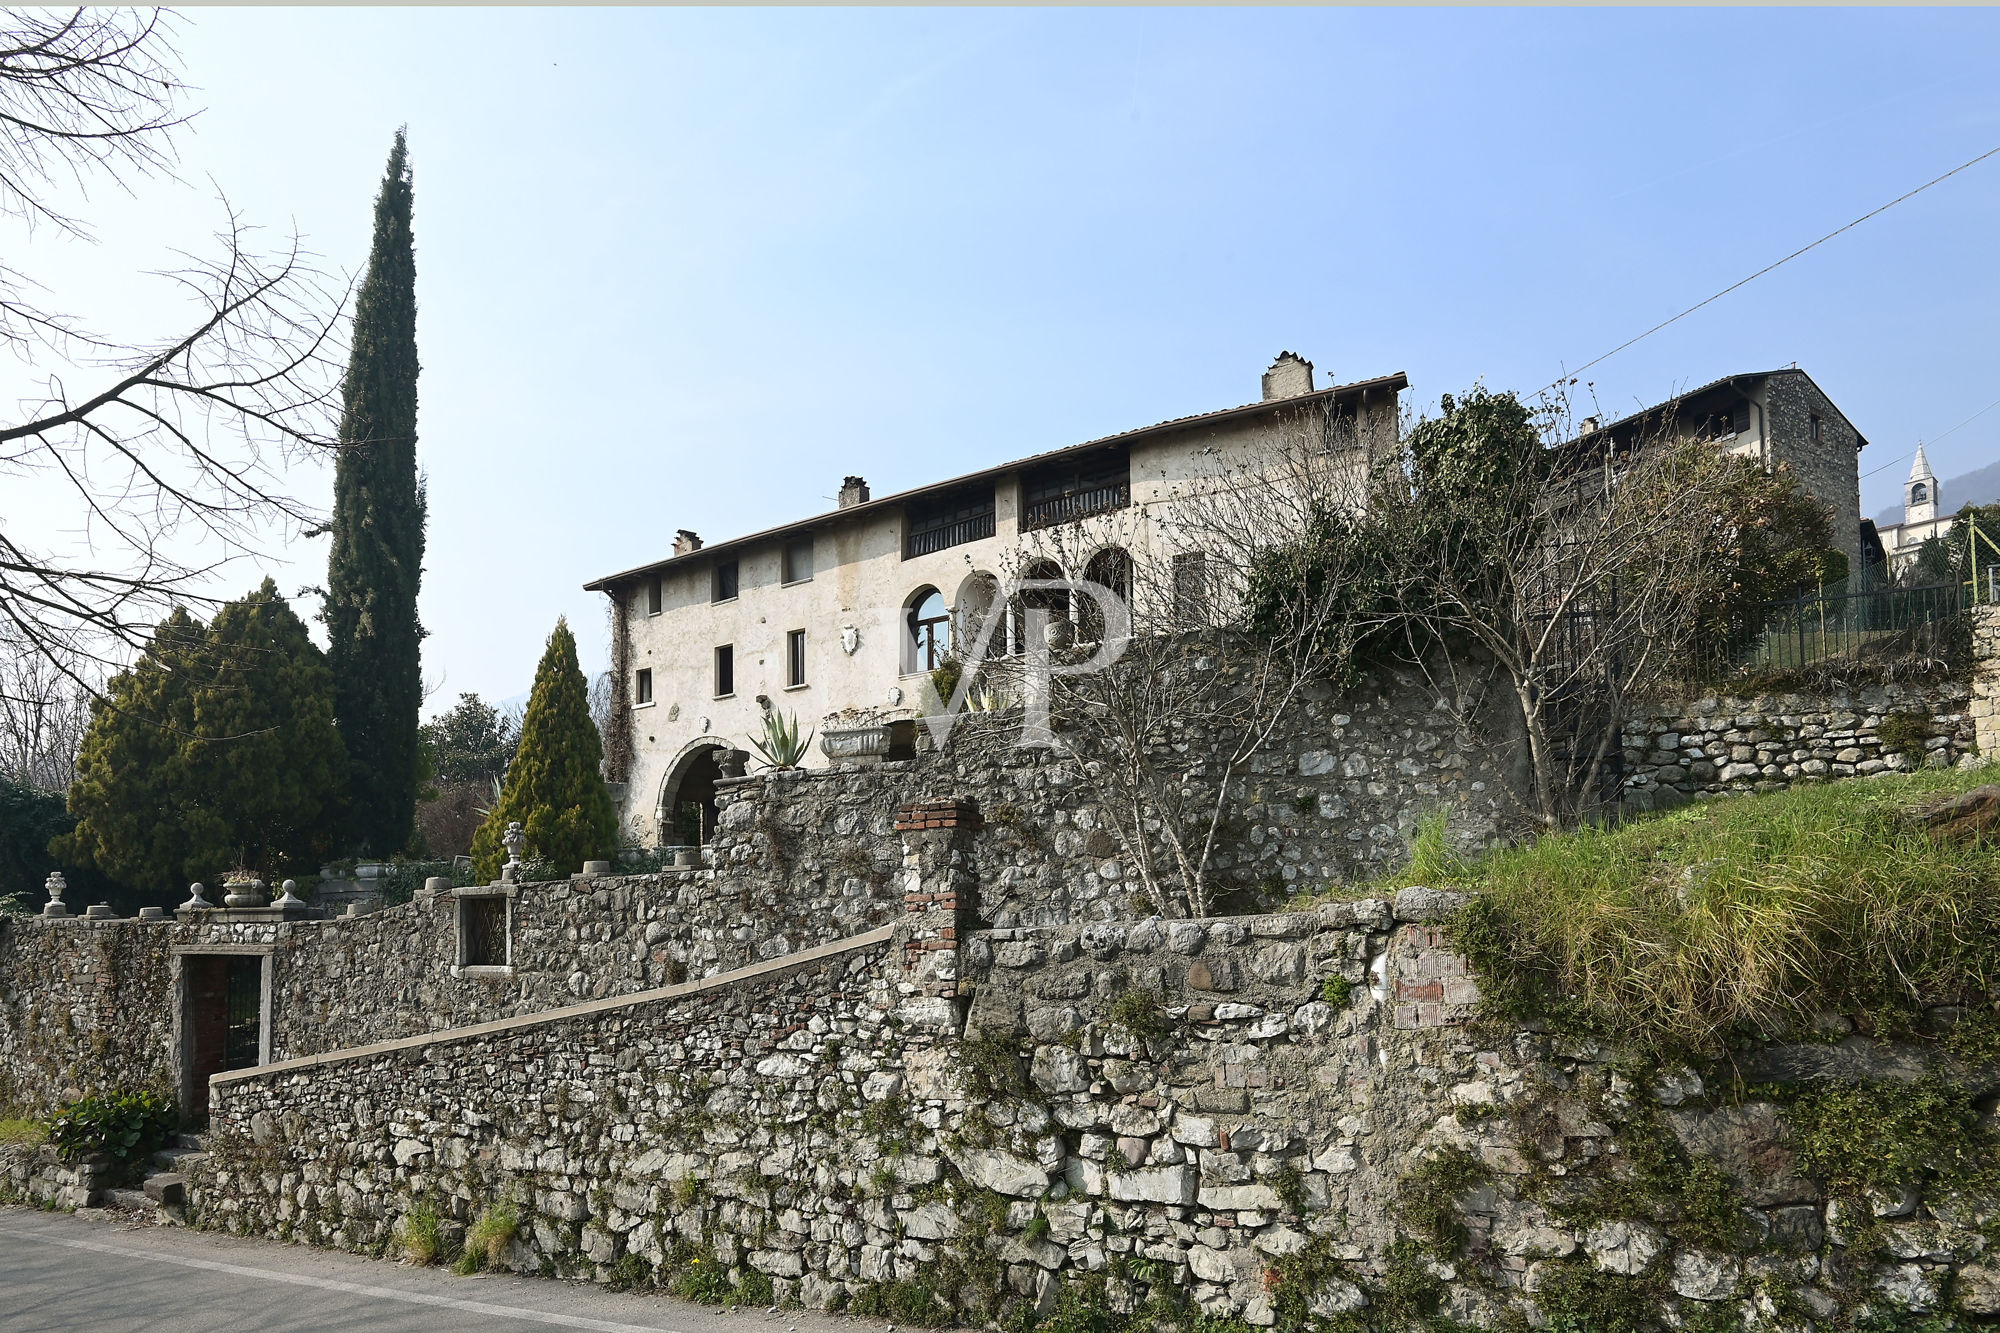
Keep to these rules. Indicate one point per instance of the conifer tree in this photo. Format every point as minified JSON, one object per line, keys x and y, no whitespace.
{"x":555,"y":786}
{"x":378,"y":536}
{"x":217,"y":748}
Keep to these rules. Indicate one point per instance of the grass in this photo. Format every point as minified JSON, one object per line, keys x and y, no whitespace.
{"x":423,"y":1235}
{"x":486,"y":1243}
{"x":23,"y":1133}
{"x":1731,"y":919}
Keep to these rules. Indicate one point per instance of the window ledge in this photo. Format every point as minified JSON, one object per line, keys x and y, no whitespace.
{"x":477,"y":970}
{"x":650,"y":703}
{"x":794,"y":583}
{"x":730,"y":695}
{"x":723,"y":601}
{"x":802,"y":685}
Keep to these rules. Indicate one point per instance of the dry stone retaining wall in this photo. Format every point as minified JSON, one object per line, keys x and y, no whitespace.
{"x":1226,"y":1110}
{"x":1721,"y":745}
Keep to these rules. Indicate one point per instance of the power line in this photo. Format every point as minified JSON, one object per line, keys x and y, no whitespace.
{"x":1768,"y":267}
{"x":1934,"y":439}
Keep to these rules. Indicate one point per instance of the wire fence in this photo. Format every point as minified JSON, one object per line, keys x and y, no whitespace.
{"x":1885,"y":625}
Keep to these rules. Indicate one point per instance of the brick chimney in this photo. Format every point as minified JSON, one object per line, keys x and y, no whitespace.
{"x":853,"y":491}
{"x":1289,"y":376}
{"x":687,"y":539}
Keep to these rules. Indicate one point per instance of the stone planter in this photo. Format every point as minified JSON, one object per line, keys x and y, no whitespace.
{"x":881,"y":740}
{"x":242,"y":891}
{"x":733,"y":763}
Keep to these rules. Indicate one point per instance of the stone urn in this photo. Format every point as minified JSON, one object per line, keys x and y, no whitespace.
{"x":242,"y":889}
{"x":733,"y":763}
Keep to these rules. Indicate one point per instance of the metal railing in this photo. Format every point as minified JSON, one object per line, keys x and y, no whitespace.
{"x":929,"y":541}
{"x":1885,"y":624}
{"x":1076,"y":504}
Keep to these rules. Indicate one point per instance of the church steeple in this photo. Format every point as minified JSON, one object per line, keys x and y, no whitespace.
{"x":1920,"y":492}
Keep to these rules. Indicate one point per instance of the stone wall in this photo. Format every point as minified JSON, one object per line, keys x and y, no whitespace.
{"x":1335,"y":799}
{"x":1253,"y":1113}
{"x":1721,"y":744}
{"x":85,"y":1006}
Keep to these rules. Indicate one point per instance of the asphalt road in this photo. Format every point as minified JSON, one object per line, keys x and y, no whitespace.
{"x":98,"y":1271}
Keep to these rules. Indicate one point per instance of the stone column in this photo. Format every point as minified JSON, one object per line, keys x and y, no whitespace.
{"x":1985,"y":706}
{"x":938,"y":889}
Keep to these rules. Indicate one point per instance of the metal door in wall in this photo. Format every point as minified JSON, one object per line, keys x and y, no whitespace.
{"x":243,"y":1007}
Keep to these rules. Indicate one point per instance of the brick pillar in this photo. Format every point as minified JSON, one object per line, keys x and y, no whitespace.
{"x":1985,"y":705}
{"x":938,"y":889}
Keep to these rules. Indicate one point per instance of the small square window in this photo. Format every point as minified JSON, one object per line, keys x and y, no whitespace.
{"x":725,"y":581}
{"x":799,"y":559}
{"x":725,"y":670}
{"x":653,"y":596}
{"x":482,"y":931}
{"x":795,"y":657}
{"x":642,"y":686}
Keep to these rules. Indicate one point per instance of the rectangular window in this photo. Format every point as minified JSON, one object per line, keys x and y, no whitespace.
{"x":653,"y":596}
{"x":795,"y":657}
{"x":1812,"y":428}
{"x":642,"y":688}
{"x":1190,"y":590}
{"x":725,"y":670}
{"x":799,"y":559}
{"x":482,"y":931}
{"x":725,"y":581}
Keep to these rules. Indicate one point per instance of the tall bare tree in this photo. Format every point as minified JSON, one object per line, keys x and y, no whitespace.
{"x":168,"y":445}
{"x":44,"y":711}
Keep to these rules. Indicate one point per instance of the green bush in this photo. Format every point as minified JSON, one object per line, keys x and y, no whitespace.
{"x":127,"y":1127}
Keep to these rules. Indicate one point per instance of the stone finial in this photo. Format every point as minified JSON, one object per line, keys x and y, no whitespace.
{"x":514,"y":839}
{"x":196,"y":898}
{"x":289,"y":899}
{"x":57,"y":886}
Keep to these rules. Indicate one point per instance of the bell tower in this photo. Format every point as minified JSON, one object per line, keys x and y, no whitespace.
{"x":1920,"y":492}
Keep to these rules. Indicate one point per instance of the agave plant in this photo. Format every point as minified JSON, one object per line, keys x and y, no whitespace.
{"x":781,"y":745}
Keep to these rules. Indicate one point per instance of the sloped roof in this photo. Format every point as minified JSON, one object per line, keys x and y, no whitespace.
{"x":1727,"y":381}
{"x":1397,"y":381}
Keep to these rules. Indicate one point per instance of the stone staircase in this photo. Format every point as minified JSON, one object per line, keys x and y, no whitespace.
{"x":163,"y":1195}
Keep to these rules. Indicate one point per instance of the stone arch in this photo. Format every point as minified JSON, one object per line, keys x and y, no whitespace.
{"x":687,"y":811}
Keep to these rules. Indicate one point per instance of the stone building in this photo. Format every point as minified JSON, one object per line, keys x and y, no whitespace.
{"x":850,"y":610}
{"x":1776,"y":416}
{"x":1923,"y":516}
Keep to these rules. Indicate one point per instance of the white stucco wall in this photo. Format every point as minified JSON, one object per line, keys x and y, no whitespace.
{"x":861,"y":580}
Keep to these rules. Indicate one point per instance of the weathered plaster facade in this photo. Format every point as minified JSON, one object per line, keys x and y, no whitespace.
{"x":852,"y":596}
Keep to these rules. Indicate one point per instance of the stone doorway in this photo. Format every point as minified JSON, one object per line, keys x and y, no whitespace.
{"x":224,"y":1021}
{"x":687,"y":798}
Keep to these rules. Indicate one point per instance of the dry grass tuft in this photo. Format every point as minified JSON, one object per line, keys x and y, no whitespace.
{"x":1744,"y":917}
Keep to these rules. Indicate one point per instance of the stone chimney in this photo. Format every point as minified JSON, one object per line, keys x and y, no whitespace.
{"x":853,"y":491}
{"x":1289,"y":376}
{"x":686,"y":540}
{"x":1588,"y":426}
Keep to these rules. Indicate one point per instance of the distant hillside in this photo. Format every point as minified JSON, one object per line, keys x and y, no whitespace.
{"x":1981,"y":488}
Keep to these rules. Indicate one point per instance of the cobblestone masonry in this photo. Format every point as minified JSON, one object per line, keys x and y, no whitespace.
{"x":1720,"y":745}
{"x":1198,"y":1104}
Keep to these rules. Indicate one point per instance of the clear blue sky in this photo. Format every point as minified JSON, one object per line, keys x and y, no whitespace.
{"x":685,"y":268}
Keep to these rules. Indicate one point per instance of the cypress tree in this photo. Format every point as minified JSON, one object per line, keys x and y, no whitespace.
{"x":378,"y":536}
{"x":555,"y":786}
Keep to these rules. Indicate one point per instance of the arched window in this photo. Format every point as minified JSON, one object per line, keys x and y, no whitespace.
{"x":1111,"y":567}
{"x":1920,"y":494}
{"x":929,"y":624}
